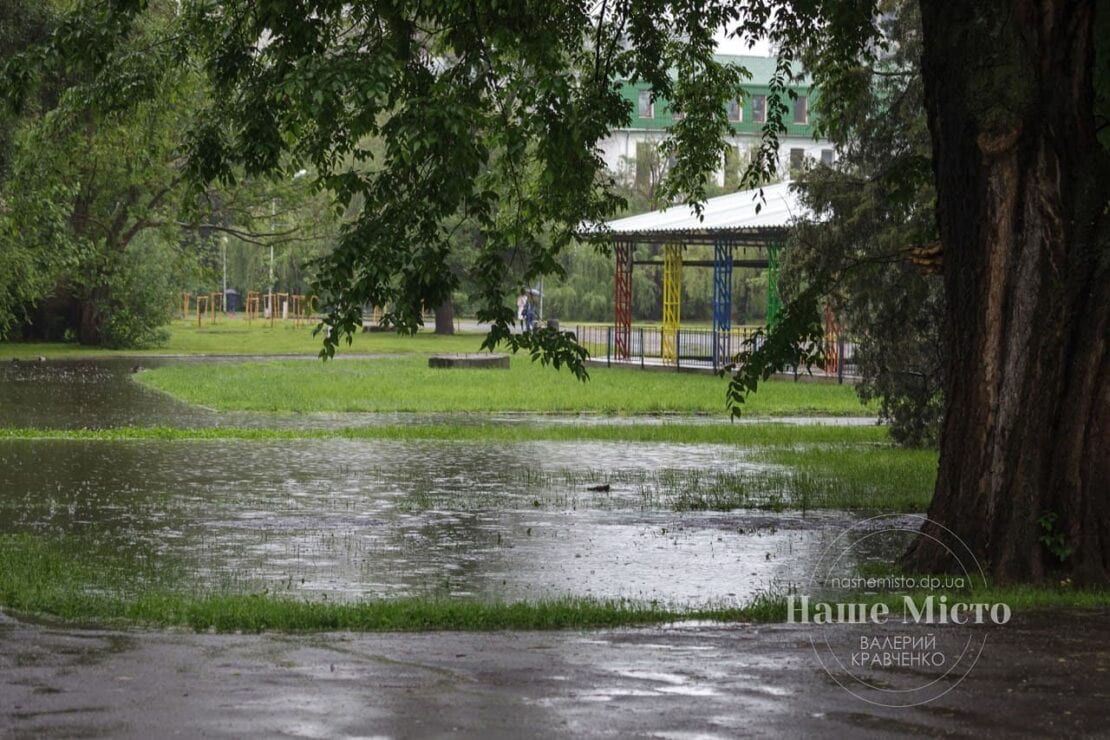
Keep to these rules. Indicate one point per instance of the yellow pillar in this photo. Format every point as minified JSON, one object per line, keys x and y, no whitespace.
{"x":672,"y":300}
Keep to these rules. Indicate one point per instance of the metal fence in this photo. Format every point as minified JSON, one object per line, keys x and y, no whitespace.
{"x":695,"y":349}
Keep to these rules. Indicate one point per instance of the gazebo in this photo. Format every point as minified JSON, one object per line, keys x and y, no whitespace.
{"x":741,"y":221}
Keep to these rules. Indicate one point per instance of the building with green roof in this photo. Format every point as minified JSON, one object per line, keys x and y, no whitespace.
{"x":628,"y":152}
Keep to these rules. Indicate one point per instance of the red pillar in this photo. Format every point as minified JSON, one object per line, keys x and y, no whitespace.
{"x":832,"y":335}
{"x":622,"y":300}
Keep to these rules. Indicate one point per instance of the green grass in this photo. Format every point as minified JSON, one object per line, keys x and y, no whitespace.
{"x":408,"y":385}
{"x":858,"y":477}
{"x":236,"y":337}
{"x":55,"y":579}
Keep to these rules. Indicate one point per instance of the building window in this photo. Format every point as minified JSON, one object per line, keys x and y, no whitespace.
{"x":827,"y":157}
{"x":647,"y":105}
{"x":797,"y":157}
{"x":759,"y":108}
{"x":735,"y":110}
{"x":801,"y":109}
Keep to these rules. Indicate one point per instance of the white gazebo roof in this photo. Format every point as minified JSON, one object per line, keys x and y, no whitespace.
{"x":727,"y":214}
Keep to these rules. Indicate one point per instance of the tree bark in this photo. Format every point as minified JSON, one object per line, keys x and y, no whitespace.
{"x":445,"y":318}
{"x":90,"y":330}
{"x":1022,"y":205}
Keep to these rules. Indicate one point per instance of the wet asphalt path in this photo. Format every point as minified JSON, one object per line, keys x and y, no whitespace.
{"x":1044,"y":674}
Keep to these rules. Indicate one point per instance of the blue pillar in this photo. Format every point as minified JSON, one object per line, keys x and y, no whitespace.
{"x":722,"y":302}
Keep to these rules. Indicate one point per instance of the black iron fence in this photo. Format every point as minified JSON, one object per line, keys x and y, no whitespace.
{"x":704,"y":349}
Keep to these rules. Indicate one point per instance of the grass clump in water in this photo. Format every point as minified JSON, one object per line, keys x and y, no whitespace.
{"x":857,"y":477}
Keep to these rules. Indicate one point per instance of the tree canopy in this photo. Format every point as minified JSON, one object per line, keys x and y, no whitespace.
{"x":429,"y":114}
{"x":873,"y":211}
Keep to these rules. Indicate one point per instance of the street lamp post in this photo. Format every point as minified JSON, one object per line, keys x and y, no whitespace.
{"x":223,"y":256}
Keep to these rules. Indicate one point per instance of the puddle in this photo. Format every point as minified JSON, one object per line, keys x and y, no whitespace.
{"x":354,"y":519}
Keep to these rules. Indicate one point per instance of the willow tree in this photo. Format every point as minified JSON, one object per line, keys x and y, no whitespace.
{"x":490,"y":112}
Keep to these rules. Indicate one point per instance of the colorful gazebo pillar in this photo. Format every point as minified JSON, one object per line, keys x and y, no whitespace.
{"x":622,"y":300}
{"x":832,"y":342}
{"x":722,"y":301}
{"x":774,"y":299}
{"x":672,"y":301}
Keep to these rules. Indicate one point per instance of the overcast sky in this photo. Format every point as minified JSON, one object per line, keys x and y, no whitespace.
{"x":732,"y":46}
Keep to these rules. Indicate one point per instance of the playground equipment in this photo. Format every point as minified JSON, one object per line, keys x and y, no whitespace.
{"x":303,"y":309}
{"x":202,"y":307}
{"x":293,"y":306}
{"x":252,"y":310}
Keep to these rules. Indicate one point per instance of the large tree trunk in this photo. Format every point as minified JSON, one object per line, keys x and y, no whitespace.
{"x":1023,"y":188}
{"x":445,"y":318}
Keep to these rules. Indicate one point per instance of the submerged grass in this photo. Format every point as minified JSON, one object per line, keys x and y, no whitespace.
{"x":49,"y":578}
{"x":52,"y":579}
{"x":799,"y":468}
{"x":409,"y":385}
{"x":747,"y":435}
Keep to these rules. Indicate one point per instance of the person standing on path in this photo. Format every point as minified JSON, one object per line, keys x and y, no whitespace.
{"x":521,"y":306}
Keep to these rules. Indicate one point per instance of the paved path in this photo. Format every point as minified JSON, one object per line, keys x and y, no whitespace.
{"x":1041,"y":675}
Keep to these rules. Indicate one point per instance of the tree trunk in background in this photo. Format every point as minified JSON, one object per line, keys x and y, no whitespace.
{"x":1023,"y":188}
{"x":89,"y":330}
{"x":445,"y":318}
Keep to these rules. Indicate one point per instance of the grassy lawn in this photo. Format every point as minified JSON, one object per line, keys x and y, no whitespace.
{"x":236,"y":336}
{"x":407,"y":384}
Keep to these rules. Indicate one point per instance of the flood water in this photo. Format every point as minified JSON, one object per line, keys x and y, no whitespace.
{"x":351,"y":519}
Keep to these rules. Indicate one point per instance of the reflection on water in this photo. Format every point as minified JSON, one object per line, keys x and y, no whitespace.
{"x":93,"y":394}
{"x":356,"y":519}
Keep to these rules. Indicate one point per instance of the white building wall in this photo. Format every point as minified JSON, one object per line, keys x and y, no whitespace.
{"x":619,"y":149}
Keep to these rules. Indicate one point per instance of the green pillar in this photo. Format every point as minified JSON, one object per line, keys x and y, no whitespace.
{"x":774,"y":300}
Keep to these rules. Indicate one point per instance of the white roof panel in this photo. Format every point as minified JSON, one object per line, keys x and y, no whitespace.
{"x":734,"y":211}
